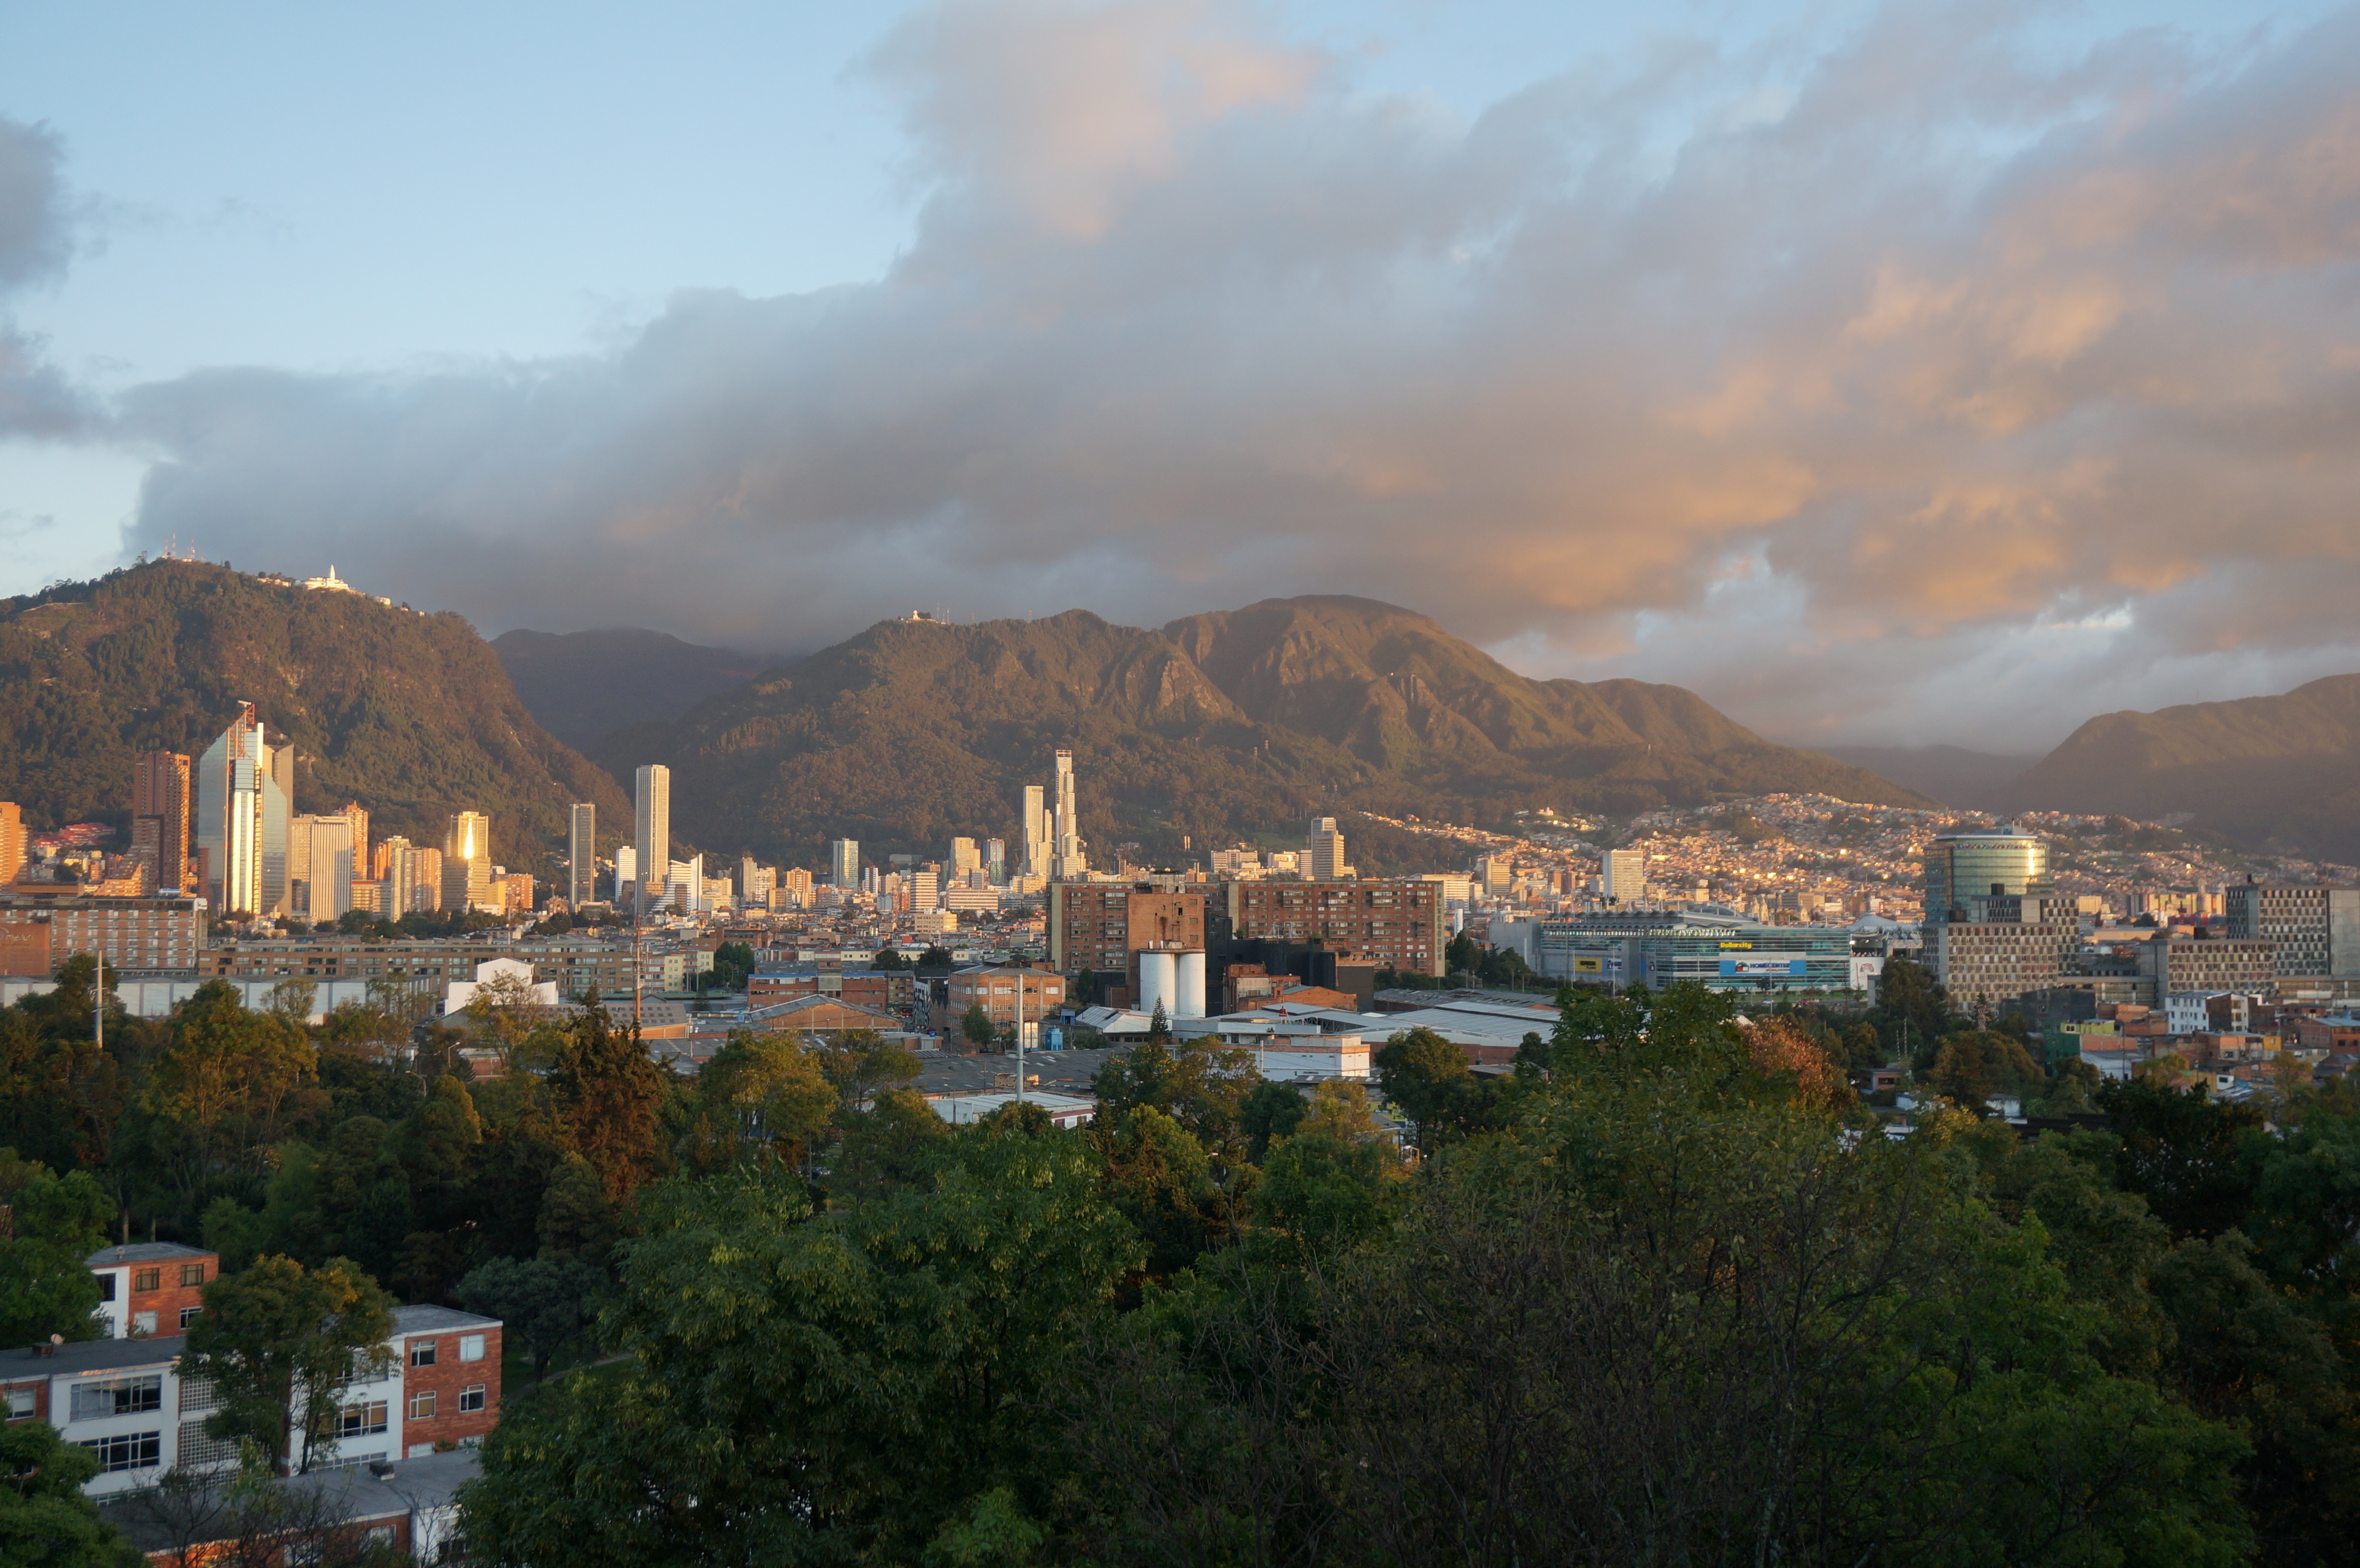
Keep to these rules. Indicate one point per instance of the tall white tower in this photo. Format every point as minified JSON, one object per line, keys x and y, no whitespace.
{"x":1067,"y":862}
{"x":582,"y":856}
{"x":651,"y":830}
{"x":1036,"y":831}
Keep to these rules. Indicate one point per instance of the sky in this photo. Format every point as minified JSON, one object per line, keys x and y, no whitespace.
{"x":1888,"y":374}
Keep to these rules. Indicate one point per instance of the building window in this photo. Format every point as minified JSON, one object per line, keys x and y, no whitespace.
{"x":118,"y":1396}
{"x":107,"y":1287}
{"x":471,"y":1347}
{"x":192,"y":1273}
{"x":131,"y":1451}
{"x":421,"y":1352}
{"x":421,"y":1405}
{"x":148,"y":1280}
{"x":142,"y":1324}
{"x":360,"y":1420}
{"x":471,"y":1397}
{"x":187,"y":1316}
{"x":20,"y":1403}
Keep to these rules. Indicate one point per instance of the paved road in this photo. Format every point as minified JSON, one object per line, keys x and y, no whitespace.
{"x":1059,"y":1072}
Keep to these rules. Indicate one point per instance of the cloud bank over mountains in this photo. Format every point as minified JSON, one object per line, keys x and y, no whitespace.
{"x":1925,"y":384}
{"x":36,"y":399}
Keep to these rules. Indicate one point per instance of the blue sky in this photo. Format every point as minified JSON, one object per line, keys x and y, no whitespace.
{"x":365,"y":200}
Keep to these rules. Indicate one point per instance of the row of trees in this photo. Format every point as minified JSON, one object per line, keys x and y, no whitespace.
{"x":1661,"y":1295}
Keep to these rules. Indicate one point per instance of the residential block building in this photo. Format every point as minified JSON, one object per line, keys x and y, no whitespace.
{"x":1390,"y":923}
{"x":41,"y":930}
{"x":1103,"y":925}
{"x":147,"y":1288}
{"x":126,"y":1400}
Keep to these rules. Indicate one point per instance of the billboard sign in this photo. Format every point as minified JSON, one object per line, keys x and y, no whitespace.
{"x":1763,"y":968}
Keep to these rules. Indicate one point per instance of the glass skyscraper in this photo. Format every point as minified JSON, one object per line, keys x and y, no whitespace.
{"x":1980,"y":864}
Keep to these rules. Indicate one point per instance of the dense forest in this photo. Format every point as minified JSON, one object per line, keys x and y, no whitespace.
{"x":1661,"y":1295}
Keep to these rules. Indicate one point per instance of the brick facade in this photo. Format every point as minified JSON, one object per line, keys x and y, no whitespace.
{"x":447,"y":1382}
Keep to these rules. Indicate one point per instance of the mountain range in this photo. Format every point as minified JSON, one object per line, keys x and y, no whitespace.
{"x":1227,"y":727}
{"x":1219,"y":727}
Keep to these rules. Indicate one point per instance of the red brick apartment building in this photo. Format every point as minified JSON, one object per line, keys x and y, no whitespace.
{"x":1386,"y":923}
{"x":149,"y":1287}
{"x":1102,"y":925}
{"x":885,"y":990}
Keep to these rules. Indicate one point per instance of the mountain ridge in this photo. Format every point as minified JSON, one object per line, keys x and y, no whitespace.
{"x":1219,"y":726}
{"x":2275,"y":770}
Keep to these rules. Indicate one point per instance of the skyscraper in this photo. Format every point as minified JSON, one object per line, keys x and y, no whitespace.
{"x":12,"y":841}
{"x":467,"y":862}
{"x":965,"y":858}
{"x":1326,"y":852}
{"x":1067,"y":862}
{"x":320,"y":866}
{"x":242,"y":818}
{"x":995,"y":861}
{"x":582,"y":856}
{"x":1625,"y":875}
{"x":651,"y":832}
{"x":1036,"y":831}
{"x":1963,"y":865}
{"x":843,"y":863}
{"x":356,"y":815}
{"x":159,"y":815}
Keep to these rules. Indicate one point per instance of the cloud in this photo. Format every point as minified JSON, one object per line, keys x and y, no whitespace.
{"x":1909,"y":350}
{"x":36,"y":399}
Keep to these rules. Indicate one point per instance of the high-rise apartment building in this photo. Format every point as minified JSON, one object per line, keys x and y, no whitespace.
{"x":159,"y":816}
{"x":1066,"y":861}
{"x":844,"y":864}
{"x":1623,"y":875}
{"x":356,"y":817}
{"x":965,"y":858}
{"x":320,"y":866}
{"x":582,"y":856}
{"x":1104,"y":925}
{"x":467,"y":864}
{"x":652,"y":830}
{"x":1393,"y":924}
{"x":2316,"y":929}
{"x":1325,"y":852}
{"x":1036,"y":831}
{"x":995,"y":860}
{"x":12,"y":842}
{"x":244,"y":794}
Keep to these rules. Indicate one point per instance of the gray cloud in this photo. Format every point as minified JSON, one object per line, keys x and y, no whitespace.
{"x":36,"y":399}
{"x":1928,"y":365}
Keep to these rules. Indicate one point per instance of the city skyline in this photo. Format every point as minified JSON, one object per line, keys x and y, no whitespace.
{"x":1905,"y":464}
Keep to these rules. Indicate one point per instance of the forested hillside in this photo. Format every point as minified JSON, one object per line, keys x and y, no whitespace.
{"x":409,"y":713}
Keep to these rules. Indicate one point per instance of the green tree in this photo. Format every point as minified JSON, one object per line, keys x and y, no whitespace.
{"x":1268,"y":1113}
{"x":1979,"y":1065}
{"x":1428,"y":1078}
{"x":608,"y":1097}
{"x":577,"y":1221}
{"x":861,"y":1062}
{"x":978,"y":1027}
{"x":45,"y":1519}
{"x":548,"y":1306}
{"x":760,"y":1097}
{"x":889,"y":1145}
{"x":1160,"y":1180}
{"x":871,"y":1374}
{"x":46,"y":1285}
{"x":230,"y":1084}
{"x":277,"y":1339}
